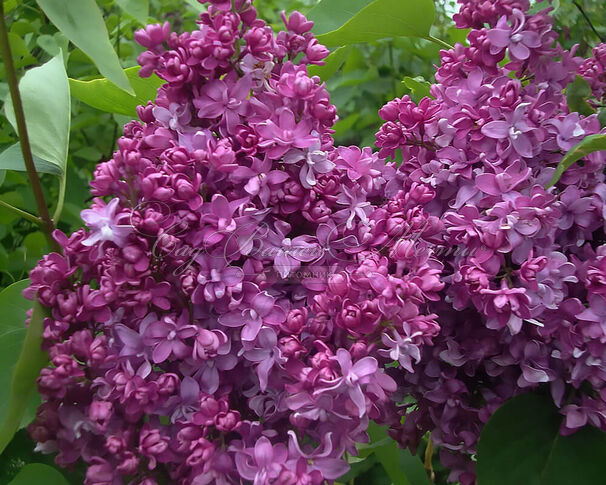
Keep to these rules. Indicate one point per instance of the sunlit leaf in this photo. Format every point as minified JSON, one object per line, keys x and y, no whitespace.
{"x":418,"y":86}
{"x":377,"y":20}
{"x":329,"y":15}
{"x":139,"y":9}
{"x":12,"y":159}
{"x":332,"y":63}
{"x":47,"y":105}
{"x":105,"y":96}
{"x":82,"y":22}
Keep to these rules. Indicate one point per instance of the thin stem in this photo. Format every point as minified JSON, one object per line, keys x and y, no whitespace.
{"x":7,"y":56}
{"x":440,"y":42}
{"x":582,"y":10}
{"x":428,"y":460}
{"x":21,"y":213}
{"x":61,"y":199}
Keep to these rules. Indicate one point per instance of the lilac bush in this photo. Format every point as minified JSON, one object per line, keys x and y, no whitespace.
{"x":523,"y":304}
{"x":228,"y":313}
{"x":247,"y":296}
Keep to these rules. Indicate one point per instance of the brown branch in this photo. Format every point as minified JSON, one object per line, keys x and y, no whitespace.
{"x":7,"y":56}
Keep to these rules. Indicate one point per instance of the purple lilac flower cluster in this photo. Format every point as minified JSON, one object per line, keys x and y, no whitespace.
{"x":593,"y":70}
{"x":524,"y":302}
{"x":228,"y":313}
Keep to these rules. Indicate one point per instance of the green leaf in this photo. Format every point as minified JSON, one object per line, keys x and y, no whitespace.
{"x":53,"y":44}
{"x":381,"y":19}
{"x":12,"y":159}
{"x":12,"y":333}
{"x":105,"y":96}
{"x":197,"y":6}
{"x":37,"y":473}
{"x":331,"y":64}
{"x":329,"y":15}
{"x":358,"y":467}
{"x":9,"y":5}
{"x":82,"y":22}
{"x":139,"y":9}
{"x":46,"y":103}
{"x":521,"y":444}
{"x":29,"y":358}
{"x":591,"y":143}
{"x":387,"y":452}
{"x":577,"y":94}
{"x":419,"y":87}
{"x":20,"y":52}
{"x":413,"y":466}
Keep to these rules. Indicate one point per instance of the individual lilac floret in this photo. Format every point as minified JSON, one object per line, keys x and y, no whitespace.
{"x":107,"y":223}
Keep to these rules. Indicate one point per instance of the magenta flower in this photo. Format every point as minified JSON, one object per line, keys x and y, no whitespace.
{"x":106,"y":223}
{"x":352,"y":377}
{"x":216,"y":279}
{"x":515,"y":130}
{"x":262,"y":310}
{"x":263,"y":463}
{"x":225,"y":98}
{"x":516,"y":38}
{"x":167,"y":336}
{"x":266,"y":354}
{"x":283,"y":133}
{"x":315,"y":161}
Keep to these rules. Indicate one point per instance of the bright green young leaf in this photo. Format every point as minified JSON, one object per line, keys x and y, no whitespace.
{"x":9,"y":5}
{"x":521,"y":444}
{"x":38,"y":473}
{"x":139,"y":9}
{"x":82,"y":22}
{"x":12,"y":159}
{"x":332,"y":63}
{"x":592,"y":143}
{"x":22,"y":358}
{"x":418,"y":86}
{"x":329,"y":15}
{"x":577,"y":94}
{"x":105,"y":96}
{"x":47,"y":105}
{"x":381,"y":19}
{"x":197,"y":6}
